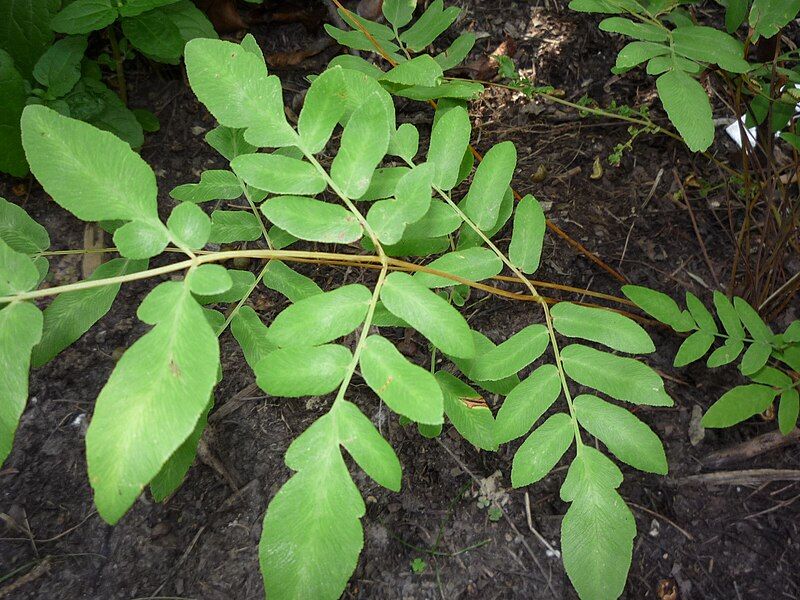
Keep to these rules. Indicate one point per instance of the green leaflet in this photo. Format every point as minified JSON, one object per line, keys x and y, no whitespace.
{"x":171,"y":475}
{"x":621,"y":378}
{"x":251,"y":334}
{"x":526,"y":403}
{"x":474,"y":264}
{"x":659,"y":306}
{"x":513,"y":355}
{"x":527,"y":238}
{"x":278,"y":174}
{"x":625,"y":435}
{"x":97,"y":162}
{"x":694,"y":348}
{"x":429,"y":314}
{"x":602,"y":326}
{"x":19,"y":231}
{"x":313,"y":220}
{"x":157,"y":392}
{"x":321,"y":318}
{"x":542,"y":450}
{"x":71,"y":314}
{"x":406,"y":389}
{"x":429,"y":26}
{"x":449,"y":141}
{"x":303,"y":371}
{"x":233,"y":84}
{"x":20,"y":330}
{"x":467,"y":411}
{"x":597,"y":564}
{"x":494,"y":173}
{"x":688,"y":108}
{"x":228,"y":226}
{"x":365,"y":140}
{"x":215,"y":184}
{"x":738,"y":404}
{"x":289,"y":282}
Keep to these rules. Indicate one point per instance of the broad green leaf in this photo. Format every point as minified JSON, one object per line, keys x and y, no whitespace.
{"x":449,"y":141}
{"x":640,"y":31}
{"x":788,"y":410}
{"x":467,"y":411}
{"x":474,"y":264}
{"x":727,"y":314}
{"x":20,"y":330}
{"x":141,"y":239}
{"x":513,"y":355}
{"x":412,"y":201}
{"x":542,"y":450}
{"x":81,"y":167}
{"x":171,"y":475}
{"x":189,"y":225}
{"x":312,"y":535}
{"x":398,"y":12}
{"x":754,"y":324}
{"x":693,"y":348}
{"x":251,"y":333}
{"x":278,"y":174}
{"x":406,"y":389}
{"x":710,"y":45}
{"x":420,"y":70}
{"x":659,"y":306}
{"x":602,"y":326}
{"x":71,"y":314}
{"x":494,"y":173}
{"x":598,"y":530}
{"x":303,"y":371}
{"x":725,"y":354}
{"x":209,"y":279}
{"x":621,"y":378}
{"x":233,"y":84}
{"x":525,"y":249}
{"x":153,"y":399}
{"x":700,"y":314}
{"x":243,"y":282}
{"x":59,"y":68}
{"x":290,"y":283}
{"x":18,"y":273}
{"x":636,"y":53}
{"x":367,"y":446}
{"x":215,"y":184}
{"x":755,"y":357}
{"x":154,"y":36}
{"x":83,"y":16}
{"x":364,"y":142}
{"x":229,"y":142}
{"x":321,"y":318}
{"x":313,"y":220}
{"x":405,"y":142}
{"x":428,"y":313}
{"x":631,"y":440}
{"x":687,"y":106}
{"x":768,"y":17}
{"x":19,"y":231}
{"x":456,"y":52}
{"x":483,"y":345}
{"x":739,"y":404}
{"x":25,"y":32}
{"x":13,"y":96}
{"x":429,"y":26}
{"x":527,"y":402}
{"x":228,"y":226}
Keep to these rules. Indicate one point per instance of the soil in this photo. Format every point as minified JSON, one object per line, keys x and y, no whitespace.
{"x":734,"y":541}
